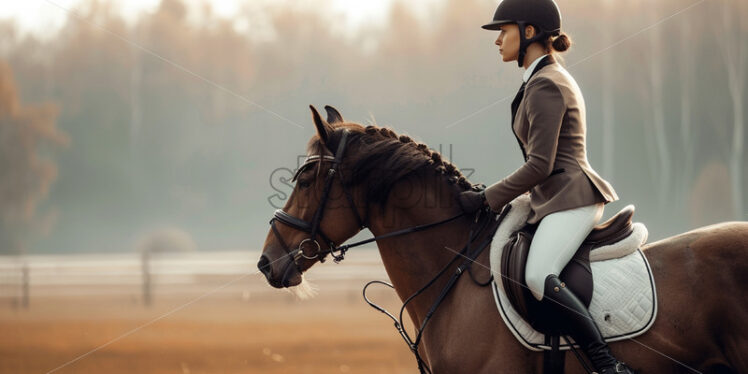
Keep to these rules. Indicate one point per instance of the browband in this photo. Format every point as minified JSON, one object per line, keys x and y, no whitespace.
{"x":309,"y":161}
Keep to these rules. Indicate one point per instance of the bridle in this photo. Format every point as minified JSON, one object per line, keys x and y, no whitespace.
{"x":313,"y":228}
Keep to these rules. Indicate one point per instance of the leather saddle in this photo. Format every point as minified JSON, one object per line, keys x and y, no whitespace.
{"x":577,"y":274}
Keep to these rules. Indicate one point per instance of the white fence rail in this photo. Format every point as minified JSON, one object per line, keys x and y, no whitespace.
{"x":24,"y":277}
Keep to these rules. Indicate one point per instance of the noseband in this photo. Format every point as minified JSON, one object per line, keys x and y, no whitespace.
{"x":313,"y":227}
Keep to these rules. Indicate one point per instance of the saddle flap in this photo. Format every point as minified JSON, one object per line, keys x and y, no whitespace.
{"x":576,"y":274}
{"x":513,"y":260}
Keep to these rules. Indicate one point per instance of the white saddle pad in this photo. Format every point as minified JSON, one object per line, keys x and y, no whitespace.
{"x":624,"y":300}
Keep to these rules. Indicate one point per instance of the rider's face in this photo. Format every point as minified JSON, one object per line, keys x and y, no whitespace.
{"x":508,"y":42}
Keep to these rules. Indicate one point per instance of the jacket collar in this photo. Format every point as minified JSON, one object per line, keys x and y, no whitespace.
{"x":538,"y":64}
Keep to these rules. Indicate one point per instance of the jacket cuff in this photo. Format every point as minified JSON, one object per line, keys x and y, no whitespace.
{"x":493,"y":203}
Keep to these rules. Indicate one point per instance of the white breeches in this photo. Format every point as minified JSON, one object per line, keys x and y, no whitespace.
{"x":555,"y":242}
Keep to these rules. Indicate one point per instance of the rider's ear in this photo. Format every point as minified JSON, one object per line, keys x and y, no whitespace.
{"x":529,"y":31}
{"x":333,"y":116}
{"x":323,"y":128}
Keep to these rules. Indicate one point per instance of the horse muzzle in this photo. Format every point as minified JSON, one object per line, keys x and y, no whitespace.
{"x":280,"y":273}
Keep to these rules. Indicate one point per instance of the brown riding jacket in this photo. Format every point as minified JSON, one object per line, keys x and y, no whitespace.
{"x":550,"y":125}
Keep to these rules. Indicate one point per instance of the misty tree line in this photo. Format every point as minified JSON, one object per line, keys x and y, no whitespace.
{"x":26,"y":131}
{"x":140,"y":135}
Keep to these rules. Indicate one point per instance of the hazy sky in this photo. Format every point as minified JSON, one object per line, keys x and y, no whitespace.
{"x":44,"y":17}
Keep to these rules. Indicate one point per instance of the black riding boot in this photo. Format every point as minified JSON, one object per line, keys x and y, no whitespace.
{"x":581,"y":326}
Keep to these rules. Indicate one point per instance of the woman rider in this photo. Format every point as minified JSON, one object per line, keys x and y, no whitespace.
{"x":567,"y":197}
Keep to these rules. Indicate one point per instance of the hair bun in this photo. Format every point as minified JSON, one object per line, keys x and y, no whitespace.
{"x":561,"y":42}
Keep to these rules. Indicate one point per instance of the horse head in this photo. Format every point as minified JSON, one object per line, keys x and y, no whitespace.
{"x":299,"y":235}
{"x":357,"y":177}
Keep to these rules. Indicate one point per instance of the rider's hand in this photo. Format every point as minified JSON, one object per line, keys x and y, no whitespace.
{"x":471,"y":201}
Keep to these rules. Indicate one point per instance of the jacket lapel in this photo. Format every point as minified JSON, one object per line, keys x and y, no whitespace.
{"x":547,"y":60}
{"x":519,"y":99}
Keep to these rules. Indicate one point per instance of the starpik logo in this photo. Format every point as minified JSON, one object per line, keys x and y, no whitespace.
{"x":280,"y":181}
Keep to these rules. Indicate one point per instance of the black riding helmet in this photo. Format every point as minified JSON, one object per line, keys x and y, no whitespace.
{"x":544,"y":15}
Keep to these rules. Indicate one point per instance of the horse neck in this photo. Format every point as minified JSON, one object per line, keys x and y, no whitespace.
{"x":411,"y":260}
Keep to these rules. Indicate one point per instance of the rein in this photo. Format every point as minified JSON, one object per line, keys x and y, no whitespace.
{"x":469,"y":256}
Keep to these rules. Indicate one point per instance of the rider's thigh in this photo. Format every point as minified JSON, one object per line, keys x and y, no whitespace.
{"x":556,"y":239}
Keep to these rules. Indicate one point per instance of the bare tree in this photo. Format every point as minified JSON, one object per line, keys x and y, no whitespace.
{"x":656,"y":79}
{"x":608,"y":89}
{"x":136,"y":83}
{"x":686,"y":63}
{"x":731,"y":33}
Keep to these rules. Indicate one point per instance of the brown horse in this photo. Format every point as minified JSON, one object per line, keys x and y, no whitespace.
{"x":395,"y":183}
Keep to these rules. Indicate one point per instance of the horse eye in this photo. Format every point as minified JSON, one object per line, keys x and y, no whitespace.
{"x":304,"y":183}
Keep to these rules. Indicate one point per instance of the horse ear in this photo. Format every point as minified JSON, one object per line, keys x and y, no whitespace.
{"x":323,"y":128}
{"x":333,"y":115}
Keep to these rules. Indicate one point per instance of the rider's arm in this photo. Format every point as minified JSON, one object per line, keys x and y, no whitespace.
{"x":545,"y":112}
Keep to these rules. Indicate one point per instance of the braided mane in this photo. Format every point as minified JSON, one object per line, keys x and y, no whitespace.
{"x":380,"y":157}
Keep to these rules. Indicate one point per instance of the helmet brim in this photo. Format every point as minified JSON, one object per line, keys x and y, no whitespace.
{"x":496,"y":25}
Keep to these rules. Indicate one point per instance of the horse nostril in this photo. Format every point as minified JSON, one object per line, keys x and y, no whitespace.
{"x":264,"y":265}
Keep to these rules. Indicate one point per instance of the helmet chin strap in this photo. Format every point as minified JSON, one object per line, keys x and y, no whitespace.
{"x":524,"y":43}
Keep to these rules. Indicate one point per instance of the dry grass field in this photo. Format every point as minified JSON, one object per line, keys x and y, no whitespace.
{"x":212,"y":324}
